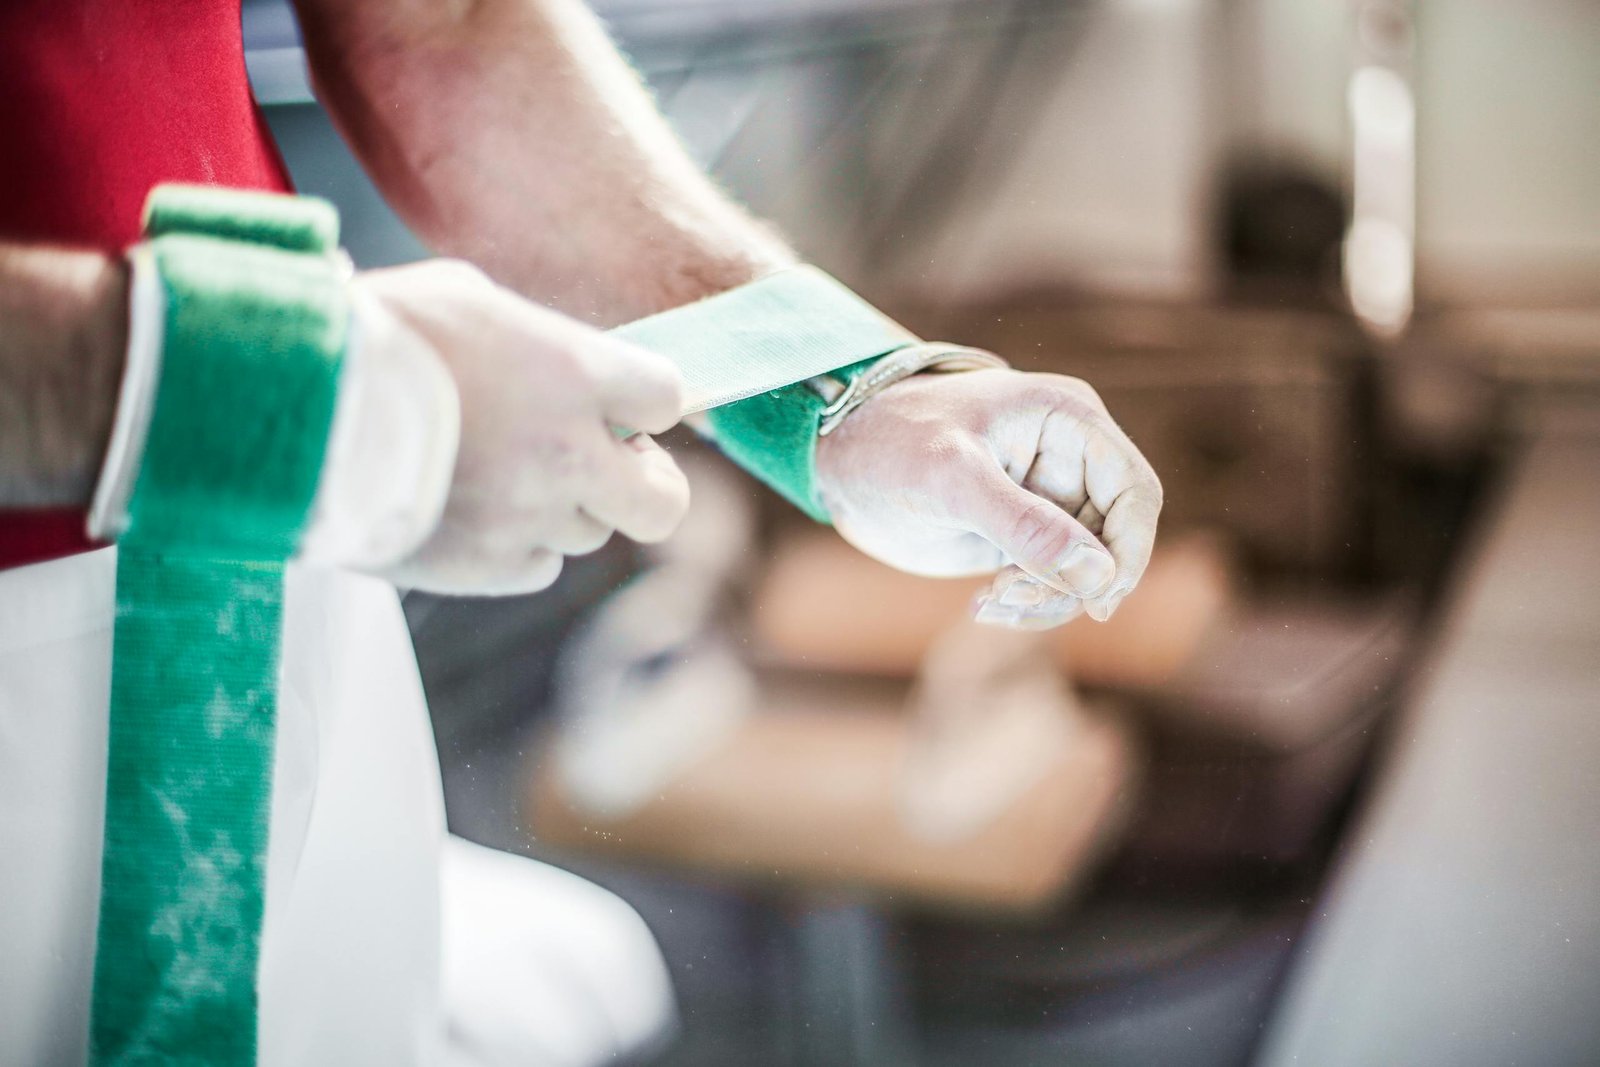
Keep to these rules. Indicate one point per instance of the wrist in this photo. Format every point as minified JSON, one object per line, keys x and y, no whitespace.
{"x":391,"y":434}
{"x":61,"y":352}
{"x":780,"y":363}
{"x":99,"y":344}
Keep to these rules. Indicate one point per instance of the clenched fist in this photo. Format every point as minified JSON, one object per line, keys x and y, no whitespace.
{"x":964,"y":473}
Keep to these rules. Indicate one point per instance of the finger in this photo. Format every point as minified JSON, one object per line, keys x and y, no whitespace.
{"x":640,"y":492}
{"x":1017,"y":600}
{"x":576,"y":534}
{"x":1049,"y":617}
{"x":537,"y":572}
{"x":511,"y":575}
{"x":449,"y":570}
{"x":1126,"y":488}
{"x":1014,"y":587}
{"x":639,"y":390}
{"x":1091,"y":518}
{"x":1035,"y":534}
{"x":1130,"y":532}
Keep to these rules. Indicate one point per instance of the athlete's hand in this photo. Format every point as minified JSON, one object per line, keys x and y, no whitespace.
{"x":539,"y":473}
{"x":963,"y":473}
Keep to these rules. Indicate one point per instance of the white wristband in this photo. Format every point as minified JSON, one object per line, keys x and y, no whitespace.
{"x":147,"y":310}
{"x":391,"y":447}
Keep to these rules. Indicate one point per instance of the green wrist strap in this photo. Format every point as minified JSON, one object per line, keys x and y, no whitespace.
{"x":745,"y":354}
{"x":773,"y":435}
{"x":255,"y":327}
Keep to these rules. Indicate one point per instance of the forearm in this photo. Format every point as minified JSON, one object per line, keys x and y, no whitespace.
{"x":63,"y":323}
{"x":511,"y":133}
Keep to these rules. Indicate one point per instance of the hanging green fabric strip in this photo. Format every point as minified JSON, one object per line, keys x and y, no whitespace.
{"x":743,"y":352}
{"x":254,"y":335}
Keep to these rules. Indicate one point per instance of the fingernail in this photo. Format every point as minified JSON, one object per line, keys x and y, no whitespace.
{"x":993,"y":613}
{"x":1087,"y":569}
{"x":1103,"y":609}
{"x":1059,"y":613}
{"x":1022,"y":593}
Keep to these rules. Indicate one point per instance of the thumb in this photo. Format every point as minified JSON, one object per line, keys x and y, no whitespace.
{"x":1038,"y":535}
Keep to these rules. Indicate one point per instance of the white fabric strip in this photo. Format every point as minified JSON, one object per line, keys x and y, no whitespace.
{"x":782,"y":329}
{"x":147,"y":313}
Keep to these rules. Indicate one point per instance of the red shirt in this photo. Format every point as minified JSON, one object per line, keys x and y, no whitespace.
{"x":99,"y":101}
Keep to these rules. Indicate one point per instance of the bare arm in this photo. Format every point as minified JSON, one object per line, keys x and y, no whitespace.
{"x":511,"y":133}
{"x":63,"y":321}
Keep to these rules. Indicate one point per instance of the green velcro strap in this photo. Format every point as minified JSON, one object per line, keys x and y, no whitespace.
{"x":743,"y":351}
{"x":250,"y":371}
{"x":294,"y":224}
{"x":773,"y":435}
{"x":253,"y":343}
{"x":188,"y":795}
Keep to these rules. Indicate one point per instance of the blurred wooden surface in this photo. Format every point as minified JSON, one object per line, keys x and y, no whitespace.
{"x":812,"y":793}
{"x":821,"y":605}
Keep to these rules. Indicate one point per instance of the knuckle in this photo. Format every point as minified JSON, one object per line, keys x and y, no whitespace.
{"x":591,"y":539}
{"x":541,"y":570}
{"x":653,"y":369}
{"x":659,"y":406}
{"x":648,"y":378}
{"x":591,"y":535}
{"x":678,"y":507}
{"x":1083,"y":410}
{"x":660,"y":517}
{"x":1066,"y":385}
{"x":669,"y":383}
{"x":1146,"y":483}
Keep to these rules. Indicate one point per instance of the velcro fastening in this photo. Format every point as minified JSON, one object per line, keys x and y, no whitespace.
{"x":255,"y":329}
{"x":742,"y":354}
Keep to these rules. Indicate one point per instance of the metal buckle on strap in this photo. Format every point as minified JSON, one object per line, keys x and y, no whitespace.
{"x":846,"y":390}
{"x":897,"y":366}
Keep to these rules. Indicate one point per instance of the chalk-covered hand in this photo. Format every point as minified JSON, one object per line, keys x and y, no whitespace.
{"x":539,"y":473}
{"x":963,"y":473}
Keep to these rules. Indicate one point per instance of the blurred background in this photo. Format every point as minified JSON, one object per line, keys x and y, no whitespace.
{"x":1325,"y":790}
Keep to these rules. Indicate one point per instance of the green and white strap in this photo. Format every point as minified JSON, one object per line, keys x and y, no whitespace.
{"x":782,"y":359}
{"x":253,"y":335}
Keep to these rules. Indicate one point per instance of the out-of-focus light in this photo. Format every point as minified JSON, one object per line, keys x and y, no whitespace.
{"x":1378,"y":274}
{"x":1379,"y":249}
{"x":1380,"y":106}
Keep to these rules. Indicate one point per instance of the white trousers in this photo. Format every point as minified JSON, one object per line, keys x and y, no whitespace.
{"x":350,"y":970}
